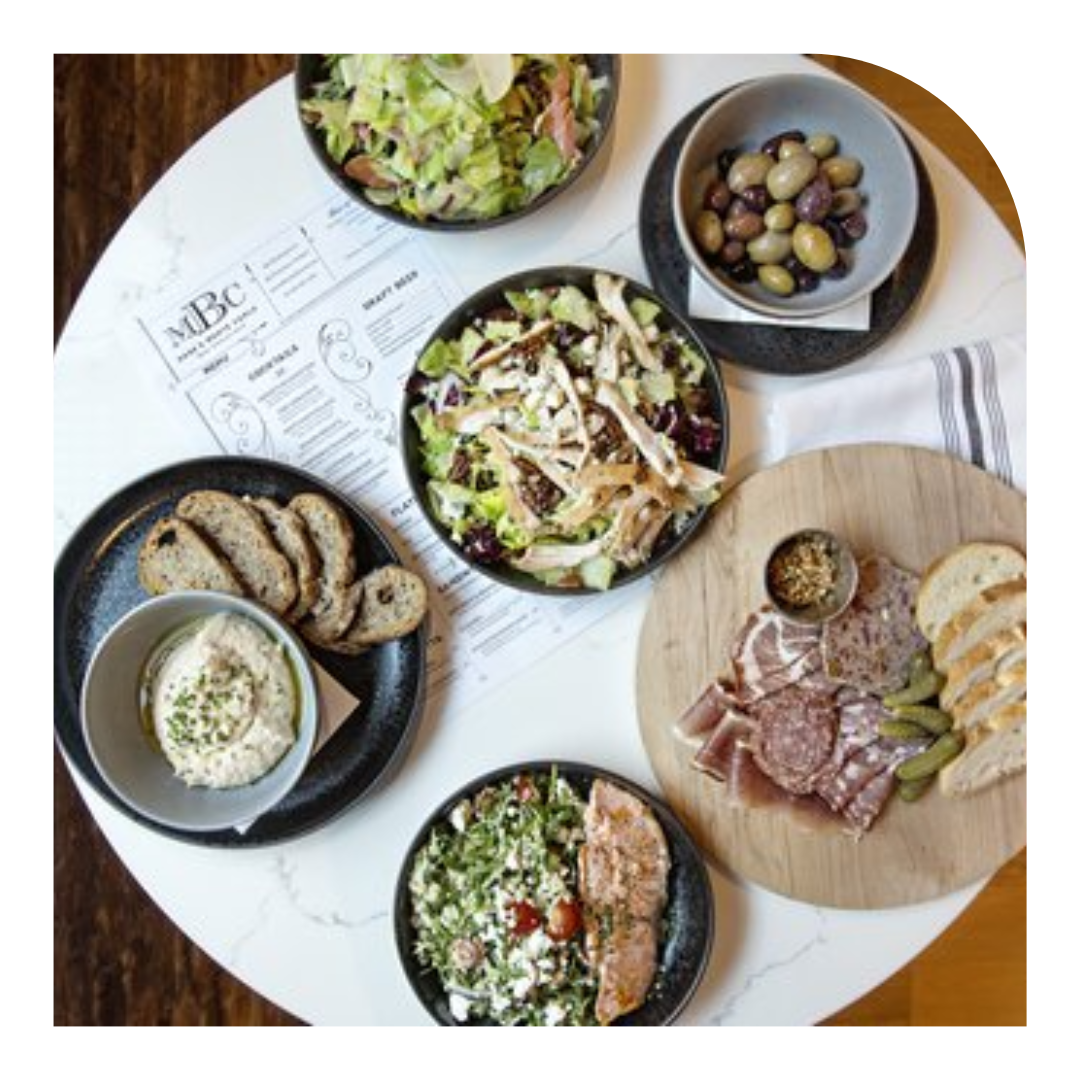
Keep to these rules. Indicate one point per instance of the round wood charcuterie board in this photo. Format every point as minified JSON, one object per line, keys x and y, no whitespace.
{"x":909,"y":504}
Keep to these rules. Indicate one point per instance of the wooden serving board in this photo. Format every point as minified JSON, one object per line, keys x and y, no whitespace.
{"x":909,"y":504}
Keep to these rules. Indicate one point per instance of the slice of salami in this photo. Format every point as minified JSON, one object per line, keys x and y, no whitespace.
{"x":870,"y":645}
{"x":794,"y":735}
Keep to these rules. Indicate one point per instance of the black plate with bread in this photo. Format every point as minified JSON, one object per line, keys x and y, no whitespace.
{"x":186,"y":526}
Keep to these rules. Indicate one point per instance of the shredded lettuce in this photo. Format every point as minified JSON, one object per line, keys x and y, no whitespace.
{"x":455,"y":137}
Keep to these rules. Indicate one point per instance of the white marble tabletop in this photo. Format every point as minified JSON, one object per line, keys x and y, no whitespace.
{"x":308,"y":923}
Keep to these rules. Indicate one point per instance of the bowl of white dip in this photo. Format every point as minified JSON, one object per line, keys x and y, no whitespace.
{"x":200,"y":710}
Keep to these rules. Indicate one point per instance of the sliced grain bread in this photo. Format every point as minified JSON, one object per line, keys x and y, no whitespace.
{"x":291,"y":536}
{"x":239,"y":533}
{"x":992,"y":610}
{"x":994,"y":751}
{"x":393,"y":605}
{"x":339,"y":594}
{"x":175,"y":556}
{"x":954,"y":580}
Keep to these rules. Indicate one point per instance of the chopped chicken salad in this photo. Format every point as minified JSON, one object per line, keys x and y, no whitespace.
{"x":567,"y":432}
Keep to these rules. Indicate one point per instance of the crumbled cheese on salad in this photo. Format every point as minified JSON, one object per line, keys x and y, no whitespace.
{"x":485,"y":890}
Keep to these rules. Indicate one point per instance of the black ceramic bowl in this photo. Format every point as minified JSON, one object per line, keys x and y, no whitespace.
{"x":688,"y":920}
{"x":484,"y":301}
{"x":310,"y":70}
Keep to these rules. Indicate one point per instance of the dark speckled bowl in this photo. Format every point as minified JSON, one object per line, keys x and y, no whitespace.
{"x":688,"y":919}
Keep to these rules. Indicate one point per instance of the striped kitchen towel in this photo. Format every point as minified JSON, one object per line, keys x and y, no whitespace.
{"x":968,"y":400}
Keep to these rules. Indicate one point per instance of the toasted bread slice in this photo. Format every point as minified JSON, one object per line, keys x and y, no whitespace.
{"x":994,"y":751}
{"x":339,"y":594}
{"x":176,"y":556}
{"x":992,"y":656}
{"x":291,"y":536}
{"x":992,"y":610}
{"x":239,"y":533}
{"x":393,"y":605}
{"x":954,"y":580}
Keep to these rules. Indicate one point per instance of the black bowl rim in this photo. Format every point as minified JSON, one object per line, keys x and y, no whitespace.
{"x":669,"y":821}
{"x":551,"y":275}
{"x":607,"y":122}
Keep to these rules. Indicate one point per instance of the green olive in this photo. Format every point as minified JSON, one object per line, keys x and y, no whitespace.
{"x":788,"y":177}
{"x":788,"y":148}
{"x":747,"y":170}
{"x":813,"y":247}
{"x":845,"y":201}
{"x":770,"y":247}
{"x":776,"y":279}
{"x":780,"y":217}
{"x":709,"y":231}
{"x":822,"y":145}
{"x":842,"y":171}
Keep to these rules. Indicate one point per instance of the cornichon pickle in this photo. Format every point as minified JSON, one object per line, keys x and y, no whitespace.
{"x":901,"y":729}
{"x":922,"y":688}
{"x":910,"y":790}
{"x":929,"y":761}
{"x":933,"y":720}
{"x":921,"y":663}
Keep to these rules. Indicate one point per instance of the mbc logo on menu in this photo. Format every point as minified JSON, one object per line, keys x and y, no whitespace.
{"x":204,"y":312}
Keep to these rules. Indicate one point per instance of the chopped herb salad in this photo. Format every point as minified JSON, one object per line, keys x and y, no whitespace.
{"x":456,"y":137}
{"x":567,"y":432}
{"x":495,"y":906}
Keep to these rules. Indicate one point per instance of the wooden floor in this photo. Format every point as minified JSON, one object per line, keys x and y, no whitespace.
{"x":120,"y":122}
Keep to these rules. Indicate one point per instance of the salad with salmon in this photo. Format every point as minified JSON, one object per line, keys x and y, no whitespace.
{"x":539,"y":904}
{"x":456,"y":137}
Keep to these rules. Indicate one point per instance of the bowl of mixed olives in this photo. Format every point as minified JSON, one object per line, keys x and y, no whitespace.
{"x":795,"y":195}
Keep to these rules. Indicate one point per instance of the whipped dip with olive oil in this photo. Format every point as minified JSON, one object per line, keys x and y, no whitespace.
{"x":220,"y":699}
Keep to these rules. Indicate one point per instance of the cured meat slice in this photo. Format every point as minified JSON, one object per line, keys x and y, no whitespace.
{"x":794,"y":735}
{"x":771,"y":652}
{"x":706,"y":714}
{"x":623,"y":869}
{"x":869,"y":801}
{"x":870,"y":645}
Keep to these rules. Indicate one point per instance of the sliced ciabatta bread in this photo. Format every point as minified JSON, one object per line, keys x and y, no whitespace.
{"x":291,"y":536}
{"x":989,"y":696}
{"x":991,"y":656}
{"x":994,"y":751}
{"x":393,"y":605}
{"x":994,"y":609}
{"x":176,"y":556}
{"x":339,"y":595}
{"x":954,"y":580}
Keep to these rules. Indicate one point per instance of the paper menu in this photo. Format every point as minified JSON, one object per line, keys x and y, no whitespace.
{"x":296,"y":347}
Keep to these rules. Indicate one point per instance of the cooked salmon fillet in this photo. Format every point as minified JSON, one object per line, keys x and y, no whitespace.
{"x":623,"y":869}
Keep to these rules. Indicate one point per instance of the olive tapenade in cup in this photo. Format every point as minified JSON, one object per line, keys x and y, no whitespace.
{"x":811,"y":576}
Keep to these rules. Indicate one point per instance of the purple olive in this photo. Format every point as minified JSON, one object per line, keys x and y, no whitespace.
{"x":814,"y":201}
{"x":756,"y":198}
{"x":772,"y":146}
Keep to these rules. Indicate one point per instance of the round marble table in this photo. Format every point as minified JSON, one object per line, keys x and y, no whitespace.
{"x":308,"y":923}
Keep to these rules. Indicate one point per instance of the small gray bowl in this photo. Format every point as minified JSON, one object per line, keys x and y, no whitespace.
{"x":753,"y":112}
{"x":843,"y":592}
{"x":121,"y":750}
